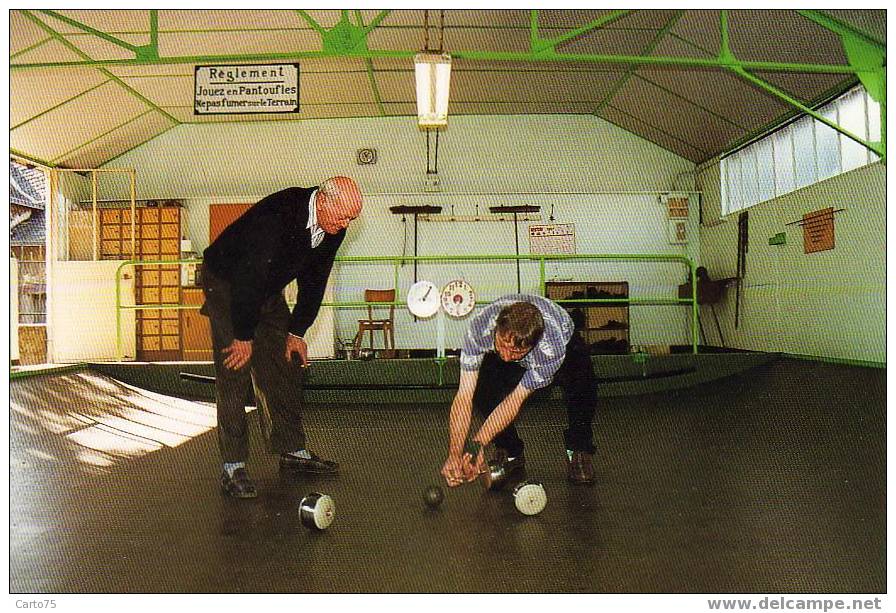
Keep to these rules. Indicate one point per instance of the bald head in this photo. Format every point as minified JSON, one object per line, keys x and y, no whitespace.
{"x":338,"y":203}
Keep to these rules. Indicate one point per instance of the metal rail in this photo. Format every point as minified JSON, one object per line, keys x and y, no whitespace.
{"x":397,"y":260}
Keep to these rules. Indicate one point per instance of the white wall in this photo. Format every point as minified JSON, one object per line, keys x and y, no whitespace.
{"x":529,"y":153}
{"x":488,"y":156}
{"x":828,"y":304}
{"x":82,"y":317}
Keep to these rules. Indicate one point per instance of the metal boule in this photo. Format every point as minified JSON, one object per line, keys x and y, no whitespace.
{"x":530,"y":498}
{"x":495,"y":477}
{"x":317,"y":511}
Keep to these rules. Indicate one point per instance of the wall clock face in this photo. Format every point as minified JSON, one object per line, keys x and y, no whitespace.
{"x":366,"y":156}
{"x":458,"y":298}
{"x":423,"y":299}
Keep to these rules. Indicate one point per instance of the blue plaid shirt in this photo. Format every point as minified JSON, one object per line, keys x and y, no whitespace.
{"x":543,"y":361}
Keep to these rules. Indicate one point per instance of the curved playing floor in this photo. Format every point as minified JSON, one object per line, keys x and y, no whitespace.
{"x":772,"y":480}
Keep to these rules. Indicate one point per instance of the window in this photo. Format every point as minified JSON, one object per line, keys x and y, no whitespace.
{"x":801,"y":153}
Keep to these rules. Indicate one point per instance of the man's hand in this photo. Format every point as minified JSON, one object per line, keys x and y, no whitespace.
{"x":238,"y":354}
{"x":473,"y":467}
{"x":453,"y":471}
{"x":296,"y":344}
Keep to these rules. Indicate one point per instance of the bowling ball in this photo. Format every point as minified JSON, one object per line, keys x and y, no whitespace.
{"x":433,"y":496}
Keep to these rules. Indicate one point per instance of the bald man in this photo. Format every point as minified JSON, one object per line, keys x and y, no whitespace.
{"x":291,"y":235}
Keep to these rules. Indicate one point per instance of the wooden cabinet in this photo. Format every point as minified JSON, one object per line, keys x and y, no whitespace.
{"x":603,"y":325}
{"x":154,"y":234}
{"x":196,"y":332}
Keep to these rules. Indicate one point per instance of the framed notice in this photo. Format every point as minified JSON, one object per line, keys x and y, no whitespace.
{"x":246,"y":88}
{"x":552,"y":239}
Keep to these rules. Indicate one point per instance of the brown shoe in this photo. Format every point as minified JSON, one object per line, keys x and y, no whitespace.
{"x":580,"y":469}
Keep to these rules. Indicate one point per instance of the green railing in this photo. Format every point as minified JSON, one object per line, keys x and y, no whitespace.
{"x":398,"y":261}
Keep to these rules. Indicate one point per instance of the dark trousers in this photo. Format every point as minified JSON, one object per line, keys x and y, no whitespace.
{"x":498,"y":378}
{"x":277,"y":382}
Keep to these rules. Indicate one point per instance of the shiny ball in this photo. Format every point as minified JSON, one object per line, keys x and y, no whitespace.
{"x":433,"y":496}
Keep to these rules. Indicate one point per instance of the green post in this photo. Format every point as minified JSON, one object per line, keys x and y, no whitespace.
{"x":694,"y":308}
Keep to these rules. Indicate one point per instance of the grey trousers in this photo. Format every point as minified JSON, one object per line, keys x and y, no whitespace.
{"x":277,"y":383}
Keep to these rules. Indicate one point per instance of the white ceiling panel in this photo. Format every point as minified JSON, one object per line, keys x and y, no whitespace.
{"x":118,"y":141}
{"x":230,"y":20}
{"x":787,"y":37}
{"x":653,"y":134}
{"x":50,"y":51}
{"x":111,"y":22}
{"x":164,"y":90}
{"x":65,"y":128}
{"x":23,"y":33}
{"x":65,"y":86}
{"x":702,"y":30}
{"x":190,"y":44}
{"x":675,"y":115}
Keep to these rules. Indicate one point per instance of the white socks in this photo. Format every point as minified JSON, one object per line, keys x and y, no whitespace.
{"x":229,"y":467}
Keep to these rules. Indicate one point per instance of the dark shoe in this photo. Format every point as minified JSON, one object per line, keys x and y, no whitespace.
{"x":313,"y":464}
{"x":580,"y":469}
{"x":239,"y":485}
{"x":509,"y":464}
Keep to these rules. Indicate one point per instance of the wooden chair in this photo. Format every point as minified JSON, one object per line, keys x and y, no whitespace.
{"x":373,"y":296}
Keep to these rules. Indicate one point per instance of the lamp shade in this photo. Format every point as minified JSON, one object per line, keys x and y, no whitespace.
{"x":433,"y":71}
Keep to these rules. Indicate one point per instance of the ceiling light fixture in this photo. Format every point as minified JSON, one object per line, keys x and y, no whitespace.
{"x":432,"y":69}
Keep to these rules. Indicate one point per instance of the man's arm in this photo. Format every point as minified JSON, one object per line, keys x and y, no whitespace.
{"x":503,"y":415}
{"x":500,"y":418}
{"x":458,"y":425}
{"x":461,"y":412}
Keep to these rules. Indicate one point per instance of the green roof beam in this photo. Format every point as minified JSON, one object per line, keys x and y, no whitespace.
{"x":842,"y":29}
{"x":141,"y":52}
{"x":30,"y":48}
{"x":308,"y":18}
{"x":111,"y":76}
{"x":877,"y":147}
{"x":154,"y":30}
{"x":376,"y":21}
{"x":368,"y":62}
{"x":725,"y":55}
{"x":539,"y":45}
{"x":631,"y":69}
{"x":547,"y":55}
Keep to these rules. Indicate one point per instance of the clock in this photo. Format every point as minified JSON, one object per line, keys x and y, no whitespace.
{"x":423,"y":299}
{"x":458,"y":298}
{"x":366,"y":156}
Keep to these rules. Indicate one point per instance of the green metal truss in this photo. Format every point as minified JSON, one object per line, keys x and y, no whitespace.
{"x":866,"y":56}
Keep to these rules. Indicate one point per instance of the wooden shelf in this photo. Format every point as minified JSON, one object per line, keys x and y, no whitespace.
{"x":603,"y":325}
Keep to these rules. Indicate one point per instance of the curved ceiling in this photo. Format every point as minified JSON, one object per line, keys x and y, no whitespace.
{"x":89,"y":85}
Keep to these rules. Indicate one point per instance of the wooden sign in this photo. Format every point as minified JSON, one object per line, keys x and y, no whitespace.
{"x":818,"y":230}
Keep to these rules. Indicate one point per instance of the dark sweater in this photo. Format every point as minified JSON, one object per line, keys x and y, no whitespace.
{"x":263,"y":251}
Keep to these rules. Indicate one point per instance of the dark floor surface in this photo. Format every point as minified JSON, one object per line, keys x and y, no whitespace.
{"x":770,"y":481}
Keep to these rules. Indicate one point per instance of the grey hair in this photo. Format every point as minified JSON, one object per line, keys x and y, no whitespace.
{"x":330,"y":188}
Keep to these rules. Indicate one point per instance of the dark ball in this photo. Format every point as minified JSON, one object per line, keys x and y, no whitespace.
{"x":433,"y":496}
